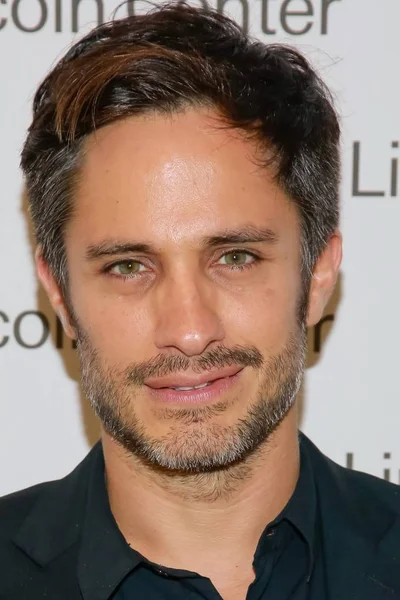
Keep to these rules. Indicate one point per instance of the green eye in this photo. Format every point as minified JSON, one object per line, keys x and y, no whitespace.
{"x":129,"y":267}
{"x":237,"y":259}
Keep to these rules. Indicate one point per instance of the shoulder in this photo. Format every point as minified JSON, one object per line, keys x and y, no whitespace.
{"x":16,"y":506}
{"x":357,"y":489}
{"x":15,"y":509}
{"x":26,"y":543}
{"x":369,"y":488}
{"x":370,"y":491}
{"x":45,"y":501}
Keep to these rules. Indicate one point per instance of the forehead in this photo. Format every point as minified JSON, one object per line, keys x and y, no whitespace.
{"x":175,"y":175}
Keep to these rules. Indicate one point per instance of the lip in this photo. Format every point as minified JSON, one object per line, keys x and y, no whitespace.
{"x":211,"y":393}
{"x":187,"y":380}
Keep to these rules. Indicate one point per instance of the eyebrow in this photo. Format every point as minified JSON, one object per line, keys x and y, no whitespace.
{"x":109,"y":248}
{"x":244,"y":235}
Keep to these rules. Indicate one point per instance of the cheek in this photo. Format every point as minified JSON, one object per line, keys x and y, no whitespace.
{"x":120,"y":332}
{"x":264,"y":316}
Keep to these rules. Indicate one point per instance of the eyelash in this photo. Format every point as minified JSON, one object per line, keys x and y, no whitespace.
{"x":256,"y":259}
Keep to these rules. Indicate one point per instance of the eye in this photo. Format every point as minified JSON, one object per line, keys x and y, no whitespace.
{"x":127,"y":268}
{"x":237,"y":259}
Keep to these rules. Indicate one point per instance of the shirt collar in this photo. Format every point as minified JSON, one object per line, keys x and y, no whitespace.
{"x":301,"y":510}
{"x":105,"y":557}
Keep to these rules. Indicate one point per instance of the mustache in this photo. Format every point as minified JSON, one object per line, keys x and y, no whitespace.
{"x":162,"y":365}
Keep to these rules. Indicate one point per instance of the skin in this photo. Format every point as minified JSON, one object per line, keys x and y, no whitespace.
{"x":172,"y":182}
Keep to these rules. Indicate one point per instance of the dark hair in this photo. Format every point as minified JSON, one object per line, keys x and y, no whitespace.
{"x":170,"y":58}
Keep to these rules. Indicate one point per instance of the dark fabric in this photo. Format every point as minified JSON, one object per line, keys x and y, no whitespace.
{"x":59,"y":541}
{"x":280,"y":575}
{"x":284,"y":562}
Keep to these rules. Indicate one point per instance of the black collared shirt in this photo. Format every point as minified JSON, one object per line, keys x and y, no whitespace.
{"x":287,"y":563}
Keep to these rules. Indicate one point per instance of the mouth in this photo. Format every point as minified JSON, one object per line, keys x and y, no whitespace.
{"x":194,"y":389}
{"x":189,"y":389}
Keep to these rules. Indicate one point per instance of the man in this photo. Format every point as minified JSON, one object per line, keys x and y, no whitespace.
{"x":183,"y":184}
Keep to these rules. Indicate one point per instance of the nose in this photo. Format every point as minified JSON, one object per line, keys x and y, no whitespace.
{"x":187,"y":318}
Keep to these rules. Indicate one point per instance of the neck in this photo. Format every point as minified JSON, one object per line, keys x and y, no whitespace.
{"x":176,"y":521}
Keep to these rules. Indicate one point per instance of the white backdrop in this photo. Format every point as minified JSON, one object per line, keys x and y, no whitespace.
{"x":351,"y":405}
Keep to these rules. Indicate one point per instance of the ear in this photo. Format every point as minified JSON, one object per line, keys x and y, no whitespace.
{"x":53,"y":291}
{"x":324,"y":278}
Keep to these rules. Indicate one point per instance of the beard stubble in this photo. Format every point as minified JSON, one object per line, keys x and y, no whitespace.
{"x":195,"y":443}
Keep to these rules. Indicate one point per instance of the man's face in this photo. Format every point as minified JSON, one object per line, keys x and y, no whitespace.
{"x":184,"y":271}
